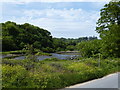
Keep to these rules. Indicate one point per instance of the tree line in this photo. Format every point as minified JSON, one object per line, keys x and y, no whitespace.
{"x":16,"y":36}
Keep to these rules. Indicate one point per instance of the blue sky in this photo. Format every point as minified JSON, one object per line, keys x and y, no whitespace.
{"x":62,"y":19}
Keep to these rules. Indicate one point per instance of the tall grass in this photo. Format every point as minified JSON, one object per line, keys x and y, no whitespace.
{"x":54,"y":73}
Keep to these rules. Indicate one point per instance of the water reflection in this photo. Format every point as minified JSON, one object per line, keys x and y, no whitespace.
{"x":54,"y":55}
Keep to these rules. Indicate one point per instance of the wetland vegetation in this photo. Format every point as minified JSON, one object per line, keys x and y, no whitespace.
{"x":98,"y":57}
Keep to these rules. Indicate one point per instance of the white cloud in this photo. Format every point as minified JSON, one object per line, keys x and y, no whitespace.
{"x":62,"y":23}
{"x":26,"y":1}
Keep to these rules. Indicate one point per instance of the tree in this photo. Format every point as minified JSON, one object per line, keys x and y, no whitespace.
{"x":30,"y":53}
{"x":8,"y":43}
{"x":16,"y":36}
{"x":108,"y":26}
{"x":89,"y":48}
{"x":70,"y":47}
{"x":110,"y":15}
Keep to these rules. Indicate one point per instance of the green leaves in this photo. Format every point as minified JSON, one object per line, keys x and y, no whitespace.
{"x":15,"y":36}
{"x":13,"y":76}
{"x":108,"y":26}
{"x":89,"y":48}
{"x":54,"y":73}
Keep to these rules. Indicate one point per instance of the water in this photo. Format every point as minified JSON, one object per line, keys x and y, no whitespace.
{"x":54,"y":55}
{"x":4,"y":56}
{"x":20,"y":57}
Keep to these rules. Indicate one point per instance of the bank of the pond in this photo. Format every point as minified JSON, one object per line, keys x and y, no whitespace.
{"x":54,"y":73}
{"x":53,"y":55}
{"x":20,"y":55}
{"x":13,"y":52}
{"x":68,"y":52}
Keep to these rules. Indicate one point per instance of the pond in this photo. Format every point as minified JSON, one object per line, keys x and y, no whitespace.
{"x":54,"y":55}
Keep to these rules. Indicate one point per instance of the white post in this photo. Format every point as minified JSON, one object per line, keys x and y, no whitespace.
{"x":99,"y":61}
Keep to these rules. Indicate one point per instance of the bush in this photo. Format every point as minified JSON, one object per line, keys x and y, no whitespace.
{"x":54,"y":73}
{"x":89,"y":48}
{"x":51,"y":59}
{"x":13,"y":77}
{"x":41,"y":53}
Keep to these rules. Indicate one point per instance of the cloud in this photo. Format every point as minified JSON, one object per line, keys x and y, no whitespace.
{"x":61,"y":19}
{"x":27,"y":1}
{"x":62,"y":22}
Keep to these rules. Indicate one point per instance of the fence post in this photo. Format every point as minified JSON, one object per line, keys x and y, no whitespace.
{"x":99,"y":61}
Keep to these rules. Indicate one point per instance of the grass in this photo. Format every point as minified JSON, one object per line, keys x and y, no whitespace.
{"x":54,"y":73}
{"x":37,"y":52}
{"x":13,"y":52}
{"x":42,"y":53}
{"x":17,"y":53}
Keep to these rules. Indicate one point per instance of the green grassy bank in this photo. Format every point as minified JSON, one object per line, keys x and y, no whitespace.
{"x":54,"y":73}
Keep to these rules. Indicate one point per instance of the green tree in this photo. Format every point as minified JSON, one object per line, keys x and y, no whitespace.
{"x":8,"y":43}
{"x":71,"y":47}
{"x":30,"y":53}
{"x":89,"y":48}
{"x":59,"y":44}
{"x":108,"y":26}
{"x":16,"y":36}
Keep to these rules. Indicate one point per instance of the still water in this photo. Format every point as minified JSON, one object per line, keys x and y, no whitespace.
{"x":54,"y":55}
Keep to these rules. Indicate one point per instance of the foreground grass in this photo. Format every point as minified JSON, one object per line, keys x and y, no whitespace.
{"x":54,"y":73}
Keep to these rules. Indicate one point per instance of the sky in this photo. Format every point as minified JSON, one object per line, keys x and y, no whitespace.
{"x":68,"y":19}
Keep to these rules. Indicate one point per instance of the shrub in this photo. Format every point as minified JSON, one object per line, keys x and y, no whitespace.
{"x":13,"y":77}
{"x":53,"y":73}
{"x":51,"y":59}
{"x":41,"y":53}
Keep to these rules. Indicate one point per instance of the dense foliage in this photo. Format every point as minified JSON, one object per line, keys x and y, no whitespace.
{"x":63,"y":44}
{"x":89,"y":48}
{"x":16,"y":37}
{"x":109,"y":28}
{"x":53,"y":73}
